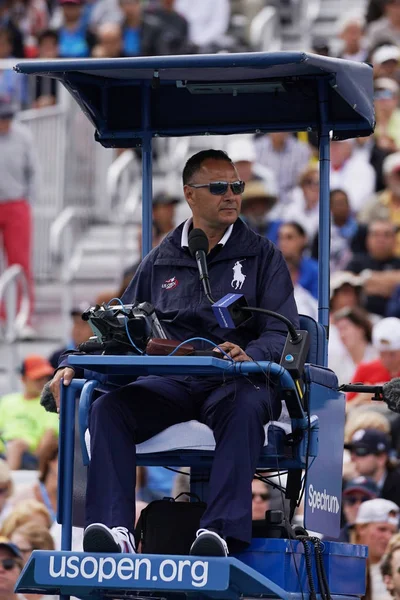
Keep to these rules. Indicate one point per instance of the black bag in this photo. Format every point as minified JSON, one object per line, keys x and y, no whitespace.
{"x":169,"y":527}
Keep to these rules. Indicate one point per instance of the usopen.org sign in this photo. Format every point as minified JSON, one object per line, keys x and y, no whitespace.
{"x":78,"y":569}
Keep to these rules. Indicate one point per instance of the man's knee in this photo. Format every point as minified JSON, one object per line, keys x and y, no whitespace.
{"x":106,"y":407}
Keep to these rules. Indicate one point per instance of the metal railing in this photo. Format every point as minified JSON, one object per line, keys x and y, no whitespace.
{"x":265,"y":31}
{"x":12,"y":279}
{"x":48,"y":128}
{"x":64,"y":235}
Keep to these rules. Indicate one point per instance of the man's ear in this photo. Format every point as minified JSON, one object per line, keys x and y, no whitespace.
{"x":189,"y":195}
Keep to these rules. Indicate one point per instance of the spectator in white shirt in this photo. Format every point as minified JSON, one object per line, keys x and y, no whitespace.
{"x":352,"y":173}
{"x":287,"y":157}
{"x":355,"y":334}
{"x":208,"y":20}
{"x":351,"y":31}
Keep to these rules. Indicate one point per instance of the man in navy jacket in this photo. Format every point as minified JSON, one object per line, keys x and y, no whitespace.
{"x":236,"y":409}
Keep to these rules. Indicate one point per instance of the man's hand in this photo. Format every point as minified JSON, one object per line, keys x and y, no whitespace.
{"x":67,"y":374}
{"x":235,"y":352}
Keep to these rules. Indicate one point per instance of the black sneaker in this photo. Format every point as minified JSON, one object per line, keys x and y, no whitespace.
{"x":100,"y":538}
{"x":208,"y":543}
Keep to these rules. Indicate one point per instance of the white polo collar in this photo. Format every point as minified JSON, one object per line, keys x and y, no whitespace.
{"x":185,"y":234}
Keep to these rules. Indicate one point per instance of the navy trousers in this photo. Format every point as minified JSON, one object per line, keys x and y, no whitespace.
{"x":235,"y":409}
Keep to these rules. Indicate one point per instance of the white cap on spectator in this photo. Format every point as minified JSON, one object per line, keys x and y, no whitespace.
{"x":386,"y":334}
{"x":378,"y":510}
{"x":241,"y":149}
{"x":341,"y":278}
{"x":391,"y":163}
{"x":384,"y":53}
{"x":385,"y":83}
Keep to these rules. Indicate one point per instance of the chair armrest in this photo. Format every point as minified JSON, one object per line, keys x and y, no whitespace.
{"x":85,"y":401}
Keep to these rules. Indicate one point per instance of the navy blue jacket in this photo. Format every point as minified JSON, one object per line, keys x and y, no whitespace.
{"x":168,"y":278}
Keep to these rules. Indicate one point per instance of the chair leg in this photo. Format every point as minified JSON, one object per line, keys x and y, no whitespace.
{"x":199,"y":478}
{"x":293,"y":489}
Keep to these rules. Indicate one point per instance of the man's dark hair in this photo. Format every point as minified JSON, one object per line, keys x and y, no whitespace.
{"x":48,"y":34}
{"x":297,"y":227}
{"x":195,"y":162}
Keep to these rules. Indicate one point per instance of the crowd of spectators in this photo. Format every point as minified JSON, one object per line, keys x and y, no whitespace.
{"x":48,"y":29}
{"x":281,"y":202}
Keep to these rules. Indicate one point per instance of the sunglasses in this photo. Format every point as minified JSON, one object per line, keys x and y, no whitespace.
{"x":219,"y":188}
{"x":312,"y":182}
{"x":362,"y":451}
{"x":263,"y":497}
{"x":352,"y":500}
{"x":8,"y":563}
{"x":384,"y":95}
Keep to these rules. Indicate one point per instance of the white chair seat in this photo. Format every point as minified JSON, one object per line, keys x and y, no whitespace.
{"x":193,"y":435}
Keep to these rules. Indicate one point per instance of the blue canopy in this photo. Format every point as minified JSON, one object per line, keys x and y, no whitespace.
{"x":214,"y":94}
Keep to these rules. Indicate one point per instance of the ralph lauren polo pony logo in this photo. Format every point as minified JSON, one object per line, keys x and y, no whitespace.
{"x":238,"y":275}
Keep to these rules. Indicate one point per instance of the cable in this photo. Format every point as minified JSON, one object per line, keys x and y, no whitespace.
{"x":126,"y":324}
{"x":294,"y":335}
{"x":176,"y":471}
{"x":201,"y":339}
{"x":322,"y":578}
{"x":307,"y":559}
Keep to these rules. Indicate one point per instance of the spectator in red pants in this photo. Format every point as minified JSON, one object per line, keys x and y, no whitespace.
{"x":18,"y":188}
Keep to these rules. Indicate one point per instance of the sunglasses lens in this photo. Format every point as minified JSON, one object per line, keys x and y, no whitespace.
{"x":237,"y":187}
{"x":8,"y":563}
{"x":351,"y":501}
{"x":218,"y":188}
{"x":361,"y":451}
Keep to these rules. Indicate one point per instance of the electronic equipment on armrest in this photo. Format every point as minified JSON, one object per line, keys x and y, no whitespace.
{"x":122,"y":329}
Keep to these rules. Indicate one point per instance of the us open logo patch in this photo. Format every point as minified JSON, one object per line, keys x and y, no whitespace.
{"x":170,"y":284}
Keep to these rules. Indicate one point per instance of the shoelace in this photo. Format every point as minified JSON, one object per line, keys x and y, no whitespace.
{"x":127,"y":538}
{"x":214,"y":533}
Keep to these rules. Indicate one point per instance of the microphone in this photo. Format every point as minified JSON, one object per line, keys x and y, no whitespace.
{"x":391,"y":394}
{"x":198,"y":247}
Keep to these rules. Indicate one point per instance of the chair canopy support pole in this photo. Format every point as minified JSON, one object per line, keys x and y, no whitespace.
{"x":66,"y":460}
{"x":324,"y":238}
{"x":147,"y":173}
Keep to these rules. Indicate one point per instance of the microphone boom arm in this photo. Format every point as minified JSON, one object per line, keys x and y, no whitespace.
{"x":359,"y":388}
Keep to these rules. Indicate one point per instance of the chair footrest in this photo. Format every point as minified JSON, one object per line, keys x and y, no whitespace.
{"x":263,"y":571}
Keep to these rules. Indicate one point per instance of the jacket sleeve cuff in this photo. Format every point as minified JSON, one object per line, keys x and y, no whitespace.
{"x":258,"y":354}
{"x":79,"y":373}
